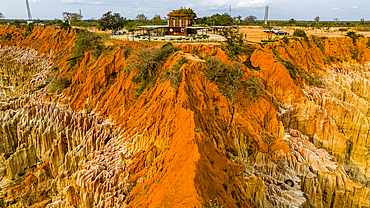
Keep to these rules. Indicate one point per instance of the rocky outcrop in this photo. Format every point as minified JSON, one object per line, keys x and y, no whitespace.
{"x":337,"y":118}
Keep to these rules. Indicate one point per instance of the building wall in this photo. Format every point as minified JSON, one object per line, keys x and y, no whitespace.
{"x":177,"y":31}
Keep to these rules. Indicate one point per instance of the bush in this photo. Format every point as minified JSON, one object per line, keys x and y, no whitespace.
{"x":84,"y":42}
{"x":147,"y":62}
{"x":175,"y":76}
{"x":285,"y":39}
{"x":226,"y":77}
{"x":59,"y":83}
{"x":312,"y":78}
{"x":252,"y":89}
{"x":368,"y":44}
{"x":299,"y":33}
{"x":354,"y":36}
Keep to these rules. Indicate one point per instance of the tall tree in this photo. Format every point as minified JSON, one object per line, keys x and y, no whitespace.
{"x":157,"y":20}
{"x":238,"y":18}
{"x":2,"y":16}
{"x":220,"y":19}
{"x":292,"y":21}
{"x":250,"y":19}
{"x":112,"y":21}
{"x":141,"y":18}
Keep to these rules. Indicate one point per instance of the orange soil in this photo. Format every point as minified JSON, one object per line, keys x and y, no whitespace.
{"x":175,"y":166}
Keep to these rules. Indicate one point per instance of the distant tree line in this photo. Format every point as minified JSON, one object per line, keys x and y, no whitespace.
{"x":114,"y":21}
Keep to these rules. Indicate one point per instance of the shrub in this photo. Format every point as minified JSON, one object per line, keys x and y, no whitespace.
{"x":59,"y":83}
{"x":41,"y":86}
{"x":368,"y":44}
{"x":319,"y":42}
{"x":175,"y":76}
{"x":252,"y":89}
{"x":299,"y":33}
{"x":354,"y":36}
{"x":196,"y":129}
{"x":285,"y":39}
{"x":147,"y":62}
{"x":226,"y":77}
{"x":86,"y":41}
{"x":312,"y":78}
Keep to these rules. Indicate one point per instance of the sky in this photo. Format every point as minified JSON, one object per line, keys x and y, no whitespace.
{"x":307,"y":10}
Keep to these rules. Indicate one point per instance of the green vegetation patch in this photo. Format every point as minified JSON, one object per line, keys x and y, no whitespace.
{"x":299,"y":33}
{"x":175,"y":75}
{"x":354,"y":36}
{"x":147,"y":62}
{"x":84,"y":42}
{"x":312,"y":78}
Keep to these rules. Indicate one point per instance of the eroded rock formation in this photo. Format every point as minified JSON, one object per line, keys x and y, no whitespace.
{"x":104,"y":141}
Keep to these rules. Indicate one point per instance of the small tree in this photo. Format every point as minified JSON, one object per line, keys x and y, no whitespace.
{"x":299,"y":33}
{"x":317,"y":19}
{"x":336,"y":20}
{"x":112,"y":21}
{"x":2,"y":16}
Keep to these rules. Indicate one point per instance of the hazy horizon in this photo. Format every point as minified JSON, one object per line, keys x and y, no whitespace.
{"x":278,"y":10}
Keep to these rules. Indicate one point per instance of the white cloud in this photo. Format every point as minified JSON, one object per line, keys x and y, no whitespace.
{"x":36,"y":1}
{"x":80,"y":2}
{"x":252,"y":4}
{"x":354,"y":7}
{"x":135,"y":3}
{"x":335,"y":9}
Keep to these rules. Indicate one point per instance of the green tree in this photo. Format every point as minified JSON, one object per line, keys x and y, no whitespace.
{"x":157,"y":20}
{"x":362,"y":20}
{"x":141,"y":18}
{"x":299,"y":33}
{"x":2,"y":16}
{"x":184,"y":10}
{"x":292,"y":21}
{"x":238,"y":18}
{"x":218,"y":19}
{"x":317,"y":19}
{"x":72,"y":18}
{"x":112,"y":21}
{"x":250,"y":19}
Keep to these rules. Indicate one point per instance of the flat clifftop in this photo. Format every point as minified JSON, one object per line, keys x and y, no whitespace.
{"x":87,"y":122}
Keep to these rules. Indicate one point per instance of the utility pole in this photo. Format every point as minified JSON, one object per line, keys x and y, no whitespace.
{"x":29,"y":11}
{"x":80,"y":13}
{"x":230,"y":11}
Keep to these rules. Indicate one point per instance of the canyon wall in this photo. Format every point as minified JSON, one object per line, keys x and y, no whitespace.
{"x":294,"y":136}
